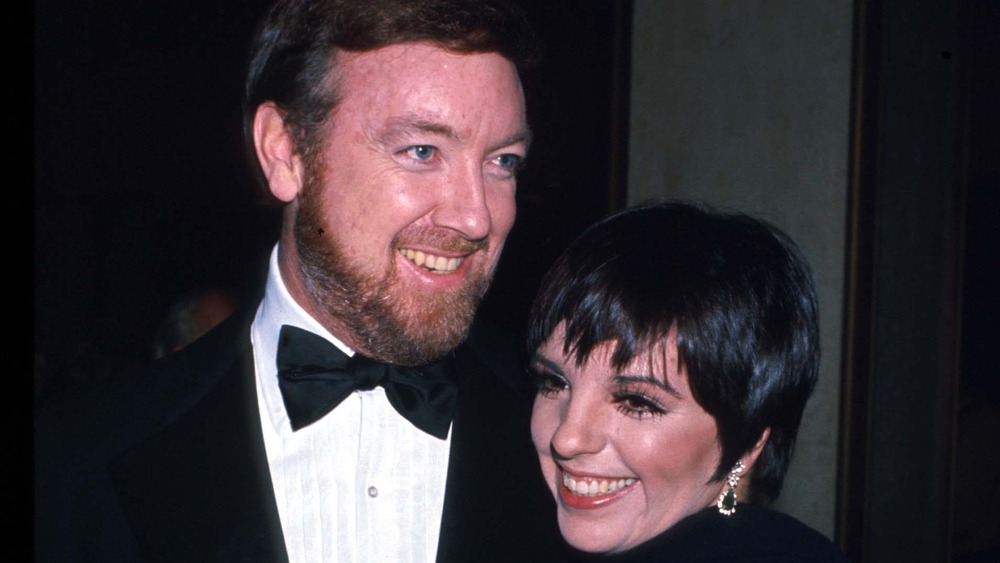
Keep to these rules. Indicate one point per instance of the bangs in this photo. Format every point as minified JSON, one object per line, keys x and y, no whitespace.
{"x":619,"y":286}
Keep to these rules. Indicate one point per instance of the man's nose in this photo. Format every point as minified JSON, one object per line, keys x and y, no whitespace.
{"x":464,"y":206}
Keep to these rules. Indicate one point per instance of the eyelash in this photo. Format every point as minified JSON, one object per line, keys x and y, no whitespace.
{"x":517,"y":165}
{"x":548,"y":383}
{"x":411,"y":152}
{"x":511,"y":169}
{"x":637,"y":404}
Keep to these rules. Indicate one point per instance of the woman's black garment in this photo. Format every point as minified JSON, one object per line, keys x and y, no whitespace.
{"x":752,"y":535}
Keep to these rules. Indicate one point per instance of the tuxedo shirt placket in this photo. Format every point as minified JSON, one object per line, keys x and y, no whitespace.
{"x":366,"y":486}
{"x":324,"y":474}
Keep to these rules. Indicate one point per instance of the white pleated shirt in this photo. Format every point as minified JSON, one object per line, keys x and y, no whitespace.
{"x":361,"y":484}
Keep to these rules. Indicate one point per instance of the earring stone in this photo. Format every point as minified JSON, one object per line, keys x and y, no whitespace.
{"x":727,"y":500}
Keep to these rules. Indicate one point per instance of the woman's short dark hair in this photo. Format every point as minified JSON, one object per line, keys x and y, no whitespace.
{"x":293,"y":55}
{"x":743,"y":302}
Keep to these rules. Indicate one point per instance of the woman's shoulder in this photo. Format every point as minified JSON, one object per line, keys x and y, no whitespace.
{"x":762,"y":534}
{"x":752,"y":535}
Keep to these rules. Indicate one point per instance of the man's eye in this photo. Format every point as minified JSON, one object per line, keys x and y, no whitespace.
{"x":420,"y":152}
{"x":509,"y":161}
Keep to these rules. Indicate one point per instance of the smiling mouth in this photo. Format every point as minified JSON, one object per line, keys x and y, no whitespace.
{"x":588,"y":493}
{"x":431,"y":262}
{"x":594,"y":487}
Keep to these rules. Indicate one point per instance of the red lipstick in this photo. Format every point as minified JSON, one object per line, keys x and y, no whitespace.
{"x":580,"y":502}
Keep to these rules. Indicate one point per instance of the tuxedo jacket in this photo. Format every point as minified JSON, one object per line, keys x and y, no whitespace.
{"x":169,"y":464}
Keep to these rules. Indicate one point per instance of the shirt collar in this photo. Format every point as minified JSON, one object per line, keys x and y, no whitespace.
{"x":276,"y":309}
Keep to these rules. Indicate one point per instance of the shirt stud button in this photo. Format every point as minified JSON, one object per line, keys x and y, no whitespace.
{"x":373,"y":491}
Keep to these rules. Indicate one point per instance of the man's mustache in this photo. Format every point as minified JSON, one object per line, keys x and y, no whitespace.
{"x":440,"y":239}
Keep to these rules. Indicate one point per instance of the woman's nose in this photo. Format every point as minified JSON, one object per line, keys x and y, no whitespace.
{"x":581,"y":431}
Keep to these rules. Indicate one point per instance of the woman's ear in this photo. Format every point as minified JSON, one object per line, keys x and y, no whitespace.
{"x":751,"y":457}
{"x":276,"y":152}
{"x":728,"y":505}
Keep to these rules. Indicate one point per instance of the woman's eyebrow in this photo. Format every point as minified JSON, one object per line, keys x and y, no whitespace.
{"x":649,"y":380}
{"x":545,"y":362}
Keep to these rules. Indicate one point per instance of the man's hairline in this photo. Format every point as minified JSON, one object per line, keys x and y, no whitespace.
{"x":331,"y":84}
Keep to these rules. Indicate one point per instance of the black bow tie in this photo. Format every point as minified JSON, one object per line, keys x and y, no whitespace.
{"x":315,"y":376}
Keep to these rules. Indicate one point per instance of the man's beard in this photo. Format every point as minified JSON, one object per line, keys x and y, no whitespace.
{"x":390,"y":324}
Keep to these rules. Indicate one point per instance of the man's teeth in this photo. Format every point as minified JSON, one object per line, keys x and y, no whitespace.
{"x":436,"y":264}
{"x":594,"y":487}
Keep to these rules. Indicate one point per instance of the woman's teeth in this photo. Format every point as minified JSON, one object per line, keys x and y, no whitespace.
{"x":436,"y":264}
{"x":591,"y":488}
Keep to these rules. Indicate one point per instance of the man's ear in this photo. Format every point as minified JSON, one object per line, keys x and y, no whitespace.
{"x":276,"y":152}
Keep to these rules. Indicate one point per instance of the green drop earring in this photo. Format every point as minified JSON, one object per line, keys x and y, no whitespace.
{"x":727,"y":500}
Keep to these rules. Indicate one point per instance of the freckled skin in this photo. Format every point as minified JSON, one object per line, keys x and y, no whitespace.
{"x":599,"y":427}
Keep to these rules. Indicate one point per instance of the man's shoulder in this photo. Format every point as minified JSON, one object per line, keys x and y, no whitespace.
{"x":497,"y":351}
{"x":99,"y":420}
{"x":132,"y":465}
{"x":498,"y":507}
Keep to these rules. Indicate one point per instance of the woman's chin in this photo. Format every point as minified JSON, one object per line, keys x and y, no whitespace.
{"x":610,"y":537}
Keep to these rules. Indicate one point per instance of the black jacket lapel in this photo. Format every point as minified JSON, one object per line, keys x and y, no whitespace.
{"x":497,"y":507}
{"x":200,"y":489}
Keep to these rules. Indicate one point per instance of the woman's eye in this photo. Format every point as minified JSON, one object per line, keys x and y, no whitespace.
{"x":638,"y":405}
{"x":547,"y":383}
{"x":420,"y":152}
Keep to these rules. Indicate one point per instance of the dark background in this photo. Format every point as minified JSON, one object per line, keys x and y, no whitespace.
{"x":142,"y":191}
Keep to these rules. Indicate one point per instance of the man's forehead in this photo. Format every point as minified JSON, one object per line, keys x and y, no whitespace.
{"x":423,"y":54}
{"x":421,"y":87}
{"x":419,"y":48}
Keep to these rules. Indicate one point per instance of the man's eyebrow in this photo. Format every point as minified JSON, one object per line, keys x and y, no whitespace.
{"x":522,"y":136}
{"x":396,"y":127}
{"x":400,"y":126}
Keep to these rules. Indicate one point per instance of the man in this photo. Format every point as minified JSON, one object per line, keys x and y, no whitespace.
{"x":392,"y":131}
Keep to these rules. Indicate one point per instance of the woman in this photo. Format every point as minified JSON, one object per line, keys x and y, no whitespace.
{"x":674,"y":351}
